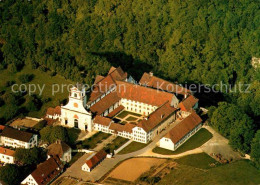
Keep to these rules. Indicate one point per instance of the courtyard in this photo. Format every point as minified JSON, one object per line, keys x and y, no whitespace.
{"x":128,"y":117}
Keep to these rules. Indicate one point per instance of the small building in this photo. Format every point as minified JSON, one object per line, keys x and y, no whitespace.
{"x":45,"y":173}
{"x":6,"y":155}
{"x":60,"y":149}
{"x":181,"y":132}
{"x":53,"y":113}
{"x":94,"y":160}
{"x":18,"y":138}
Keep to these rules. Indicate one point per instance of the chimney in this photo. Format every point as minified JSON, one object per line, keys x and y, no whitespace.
{"x":4,"y":151}
{"x":151,"y":73}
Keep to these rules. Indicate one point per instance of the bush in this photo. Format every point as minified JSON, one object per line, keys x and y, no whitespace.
{"x":25,"y":78}
{"x":43,"y":68}
{"x":1,"y":102}
{"x":53,"y":73}
{"x":12,"y":68}
{"x":9,"y":83}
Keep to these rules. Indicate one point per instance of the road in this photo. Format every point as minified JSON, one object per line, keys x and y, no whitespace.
{"x":108,"y":164}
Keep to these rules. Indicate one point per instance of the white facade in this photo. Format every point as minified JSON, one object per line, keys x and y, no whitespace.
{"x":167,"y":143}
{"x":74,"y":113}
{"x":85,"y":168}
{"x":29,"y":180}
{"x":137,"y":107}
{"x":6,"y":141}
{"x":6,"y":158}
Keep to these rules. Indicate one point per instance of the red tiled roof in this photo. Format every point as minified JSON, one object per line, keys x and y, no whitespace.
{"x":6,"y":151}
{"x":93,"y":161}
{"x":184,"y":127}
{"x":158,"y":83}
{"x":159,"y":115}
{"x":53,"y":111}
{"x":105,"y":103}
{"x":98,"y":78}
{"x":188,"y":103}
{"x":2,"y":127}
{"x":102,"y":120}
{"x":107,"y":82}
{"x":142,"y":94}
{"x":120,"y":128}
{"x":116,"y":111}
{"x":47,"y":171}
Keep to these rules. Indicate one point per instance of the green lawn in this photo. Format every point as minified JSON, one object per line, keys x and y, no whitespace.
{"x":131,"y":118}
{"x":116,"y":143}
{"x":132,"y":147}
{"x":198,"y":139}
{"x":92,"y":142}
{"x":195,"y":170}
{"x":202,"y":160}
{"x":125,"y":113}
{"x":40,"y":78}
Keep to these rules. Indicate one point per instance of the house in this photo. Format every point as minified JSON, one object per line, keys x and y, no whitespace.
{"x":61,"y":150}
{"x":45,"y":172}
{"x":53,"y":113}
{"x":94,"y":160}
{"x":18,"y":138}
{"x":181,"y":132}
{"x":7,"y":155}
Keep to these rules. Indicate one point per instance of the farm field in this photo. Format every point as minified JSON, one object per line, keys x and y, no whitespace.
{"x":132,"y":169}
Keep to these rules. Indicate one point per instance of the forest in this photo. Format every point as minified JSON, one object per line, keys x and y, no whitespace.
{"x":189,"y":42}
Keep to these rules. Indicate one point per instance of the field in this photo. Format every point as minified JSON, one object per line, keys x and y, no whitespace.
{"x":191,"y":171}
{"x":40,"y":79}
{"x":198,"y":139}
{"x":132,"y":169}
{"x":132,"y":147}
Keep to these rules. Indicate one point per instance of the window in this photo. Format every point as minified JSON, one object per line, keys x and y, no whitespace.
{"x":75,"y":95}
{"x":76,"y":123}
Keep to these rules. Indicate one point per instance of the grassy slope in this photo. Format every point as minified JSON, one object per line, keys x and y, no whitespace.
{"x":201,"y":137}
{"x":132,"y":147}
{"x":195,"y":169}
{"x":40,"y":78}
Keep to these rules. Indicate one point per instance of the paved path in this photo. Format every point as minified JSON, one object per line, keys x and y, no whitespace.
{"x":219,"y":144}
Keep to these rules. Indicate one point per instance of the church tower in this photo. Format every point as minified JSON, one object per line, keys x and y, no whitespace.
{"x":74,"y":113}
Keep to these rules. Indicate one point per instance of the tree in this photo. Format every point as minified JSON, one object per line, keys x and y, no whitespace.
{"x":30,"y":156}
{"x":234,"y":124}
{"x":25,"y":78}
{"x":52,"y":134}
{"x":45,"y":133}
{"x":10,"y":174}
{"x":58,"y":133}
{"x":10,"y":111}
{"x":255,"y":149}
